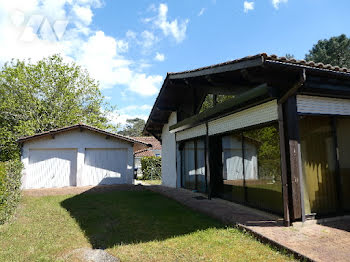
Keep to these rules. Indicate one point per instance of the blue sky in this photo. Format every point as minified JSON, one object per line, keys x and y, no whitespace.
{"x":129,"y":46}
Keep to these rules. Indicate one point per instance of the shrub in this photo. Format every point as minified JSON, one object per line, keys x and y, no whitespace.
{"x":151,"y":168}
{"x":10,"y":191}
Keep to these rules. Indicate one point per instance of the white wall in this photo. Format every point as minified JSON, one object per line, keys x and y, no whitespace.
{"x":323,"y":105}
{"x":169,"y":154}
{"x":75,"y":139}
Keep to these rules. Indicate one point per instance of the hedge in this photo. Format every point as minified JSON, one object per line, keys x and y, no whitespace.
{"x":151,"y":168}
{"x":10,"y":192}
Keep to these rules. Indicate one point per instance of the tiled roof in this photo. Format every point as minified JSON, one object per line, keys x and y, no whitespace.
{"x":274,"y":58}
{"x":80,"y":125}
{"x":144,"y":152}
{"x":150,"y":140}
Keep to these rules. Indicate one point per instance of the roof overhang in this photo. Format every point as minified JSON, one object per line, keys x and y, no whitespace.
{"x":241,"y":74}
{"x":81,"y":127}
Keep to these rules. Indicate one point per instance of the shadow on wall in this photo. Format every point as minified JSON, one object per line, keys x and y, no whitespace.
{"x":132,"y":215}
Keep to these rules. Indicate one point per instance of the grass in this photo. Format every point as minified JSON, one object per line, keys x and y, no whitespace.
{"x":152,"y":182}
{"x":133,"y":226}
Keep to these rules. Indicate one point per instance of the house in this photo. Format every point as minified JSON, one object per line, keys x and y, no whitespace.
{"x":279,"y":142}
{"x":78,"y":155}
{"x":154,"y":149}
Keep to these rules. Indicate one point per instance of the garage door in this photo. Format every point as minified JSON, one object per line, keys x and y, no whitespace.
{"x":104,"y":166}
{"x":51,"y":168}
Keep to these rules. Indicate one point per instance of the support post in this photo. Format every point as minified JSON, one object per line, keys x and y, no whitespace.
{"x":286,"y":215}
{"x":293,"y":156}
{"x":207,"y":160}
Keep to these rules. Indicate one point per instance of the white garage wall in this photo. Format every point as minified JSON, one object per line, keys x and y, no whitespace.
{"x":169,"y":154}
{"x":79,"y":141}
{"x":104,"y":166}
{"x":59,"y":165}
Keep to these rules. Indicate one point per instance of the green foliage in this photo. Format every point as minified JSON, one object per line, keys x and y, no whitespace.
{"x":209,"y":103}
{"x":151,"y":167}
{"x":10,"y":183}
{"x":334,"y":51}
{"x":37,"y":97}
{"x":134,"y":127}
{"x":289,"y":56}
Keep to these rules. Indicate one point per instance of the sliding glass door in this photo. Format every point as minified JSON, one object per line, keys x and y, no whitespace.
{"x":343,"y":139}
{"x":319,"y":165}
{"x":252,"y":168}
{"x":193,"y":165}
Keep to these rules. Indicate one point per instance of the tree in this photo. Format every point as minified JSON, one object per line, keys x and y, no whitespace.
{"x":37,"y":97}
{"x":289,"y":56}
{"x":134,"y":127}
{"x":209,"y":101}
{"x":334,"y":51}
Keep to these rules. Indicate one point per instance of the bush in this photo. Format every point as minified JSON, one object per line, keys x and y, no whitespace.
{"x":151,"y":168}
{"x":10,"y":191}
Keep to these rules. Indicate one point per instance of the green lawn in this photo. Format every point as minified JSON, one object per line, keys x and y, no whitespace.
{"x":134,"y":226}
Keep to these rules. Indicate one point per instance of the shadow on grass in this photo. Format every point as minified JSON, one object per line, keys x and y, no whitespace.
{"x":124,"y":217}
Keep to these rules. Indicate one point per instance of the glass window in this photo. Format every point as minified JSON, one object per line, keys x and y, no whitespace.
{"x":188,"y":179}
{"x":233,"y":177}
{"x":263,"y":169}
{"x":200,"y":165}
{"x":193,"y":165}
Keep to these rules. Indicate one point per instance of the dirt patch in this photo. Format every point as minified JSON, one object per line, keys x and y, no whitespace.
{"x":79,"y":190}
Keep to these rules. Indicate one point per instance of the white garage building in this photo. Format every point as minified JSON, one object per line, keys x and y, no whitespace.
{"x":77,"y":155}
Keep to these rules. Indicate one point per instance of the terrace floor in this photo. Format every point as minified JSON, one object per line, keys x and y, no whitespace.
{"x":315,"y":241}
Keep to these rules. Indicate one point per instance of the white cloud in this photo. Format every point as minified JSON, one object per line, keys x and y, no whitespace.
{"x":148,"y":40}
{"x":248,"y":6}
{"x":145,"y":85}
{"x":84,"y":13}
{"x":130,"y":34}
{"x":37,"y":28}
{"x":201,"y":12}
{"x":120,"y":119}
{"x":173,"y":28}
{"x":130,"y":112}
{"x":33,"y":28}
{"x":135,"y":108}
{"x":101,"y":56}
{"x":122,"y":46}
{"x":159,"y":57}
{"x":276,"y":3}
{"x":103,"y":59}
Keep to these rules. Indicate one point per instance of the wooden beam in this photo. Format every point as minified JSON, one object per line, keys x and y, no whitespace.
{"x":159,"y":138}
{"x":259,"y":91}
{"x":284,"y":178}
{"x":293,"y":156}
{"x":166,"y":109}
{"x":291,"y":91}
{"x":159,"y":121}
{"x":220,"y":68}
